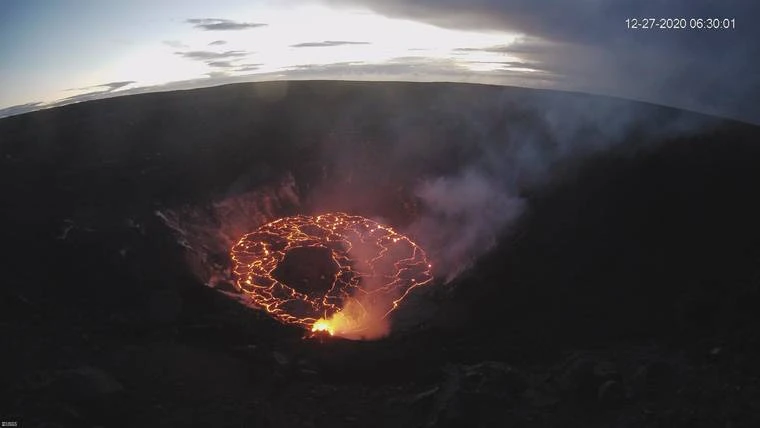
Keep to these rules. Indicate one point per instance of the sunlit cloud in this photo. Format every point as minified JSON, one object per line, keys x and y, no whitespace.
{"x":584,"y":44}
{"x":509,"y":41}
{"x":491,"y":49}
{"x":247,"y":68}
{"x":109,"y":87}
{"x":20,"y":109}
{"x":209,"y":24}
{"x":217,"y":74}
{"x":176,"y":44}
{"x":344,"y":43}
{"x":220,"y":64}
{"x":209,"y":55}
{"x":327,"y":43}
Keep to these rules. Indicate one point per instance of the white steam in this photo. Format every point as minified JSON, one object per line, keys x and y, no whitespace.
{"x":466,"y":214}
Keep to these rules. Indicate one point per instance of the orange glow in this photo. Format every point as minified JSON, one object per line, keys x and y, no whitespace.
{"x":376,"y":268}
{"x":323,"y":325}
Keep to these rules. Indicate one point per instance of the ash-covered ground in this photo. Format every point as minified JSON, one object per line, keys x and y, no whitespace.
{"x":597,"y":260}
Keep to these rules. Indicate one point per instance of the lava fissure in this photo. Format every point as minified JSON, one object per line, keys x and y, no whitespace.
{"x":376,"y":269}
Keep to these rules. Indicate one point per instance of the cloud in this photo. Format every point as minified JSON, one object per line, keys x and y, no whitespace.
{"x":327,"y":43}
{"x":105,"y":87}
{"x":420,"y":69}
{"x":501,"y":49}
{"x":176,"y":44}
{"x":89,"y":96}
{"x":337,"y":65}
{"x":523,"y":45}
{"x":411,"y":68}
{"x":242,"y":68}
{"x":217,"y":74}
{"x":209,"y":24}
{"x":212,"y":56}
{"x":219,"y":64}
{"x":105,"y":90}
{"x":589,"y":47}
{"x":227,"y":67}
{"x":112,"y":86}
{"x":222,"y":63}
{"x":20,"y":109}
{"x":217,"y":43}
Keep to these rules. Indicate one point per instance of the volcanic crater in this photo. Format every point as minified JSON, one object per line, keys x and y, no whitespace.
{"x":623,"y":294}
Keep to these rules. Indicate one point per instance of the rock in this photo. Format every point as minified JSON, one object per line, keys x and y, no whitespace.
{"x":306,"y":368}
{"x":91,"y":382}
{"x":88,"y":393}
{"x":611,"y":394}
{"x":652,"y":377}
{"x":309,"y":372}
{"x":584,"y":375}
{"x":539,"y":399}
{"x":419,"y":397}
{"x":247,"y":349}
{"x":606,"y":370}
{"x":659,"y":373}
{"x":474,"y":394}
{"x":164,"y":306}
{"x":493,"y":378}
{"x":280,"y":358}
{"x":578,"y":378}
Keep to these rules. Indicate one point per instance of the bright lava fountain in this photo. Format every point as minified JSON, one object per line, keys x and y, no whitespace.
{"x":369,"y":270}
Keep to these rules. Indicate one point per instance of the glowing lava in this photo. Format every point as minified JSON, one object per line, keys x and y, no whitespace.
{"x":323,"y":325}
{"x":376,"y":268}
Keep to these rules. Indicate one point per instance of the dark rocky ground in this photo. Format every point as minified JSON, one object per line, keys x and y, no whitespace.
{"x":626,"y":295}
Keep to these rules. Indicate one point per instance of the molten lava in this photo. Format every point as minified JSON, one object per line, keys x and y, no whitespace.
{"x":371,"y":268}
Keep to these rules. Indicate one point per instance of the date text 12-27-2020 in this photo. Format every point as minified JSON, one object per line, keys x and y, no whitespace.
{"x":681,"y":23}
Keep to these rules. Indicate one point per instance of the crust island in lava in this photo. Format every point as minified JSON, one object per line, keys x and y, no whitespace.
{"x":369,"y":270}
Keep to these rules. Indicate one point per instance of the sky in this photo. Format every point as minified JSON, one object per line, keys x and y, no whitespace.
{"x":55,"y":52}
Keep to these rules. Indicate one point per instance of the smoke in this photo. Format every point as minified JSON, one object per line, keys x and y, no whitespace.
{"x":387,"y":269}
{"x":450,"y":166}
{"x":465,"y":215}
{"x":365,"y":309}
{"x":516,"y":144}
{"x":209,"y":232}
{"x":361,"y":318}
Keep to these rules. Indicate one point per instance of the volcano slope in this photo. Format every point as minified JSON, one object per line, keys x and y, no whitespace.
{"x":623,"y":294}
